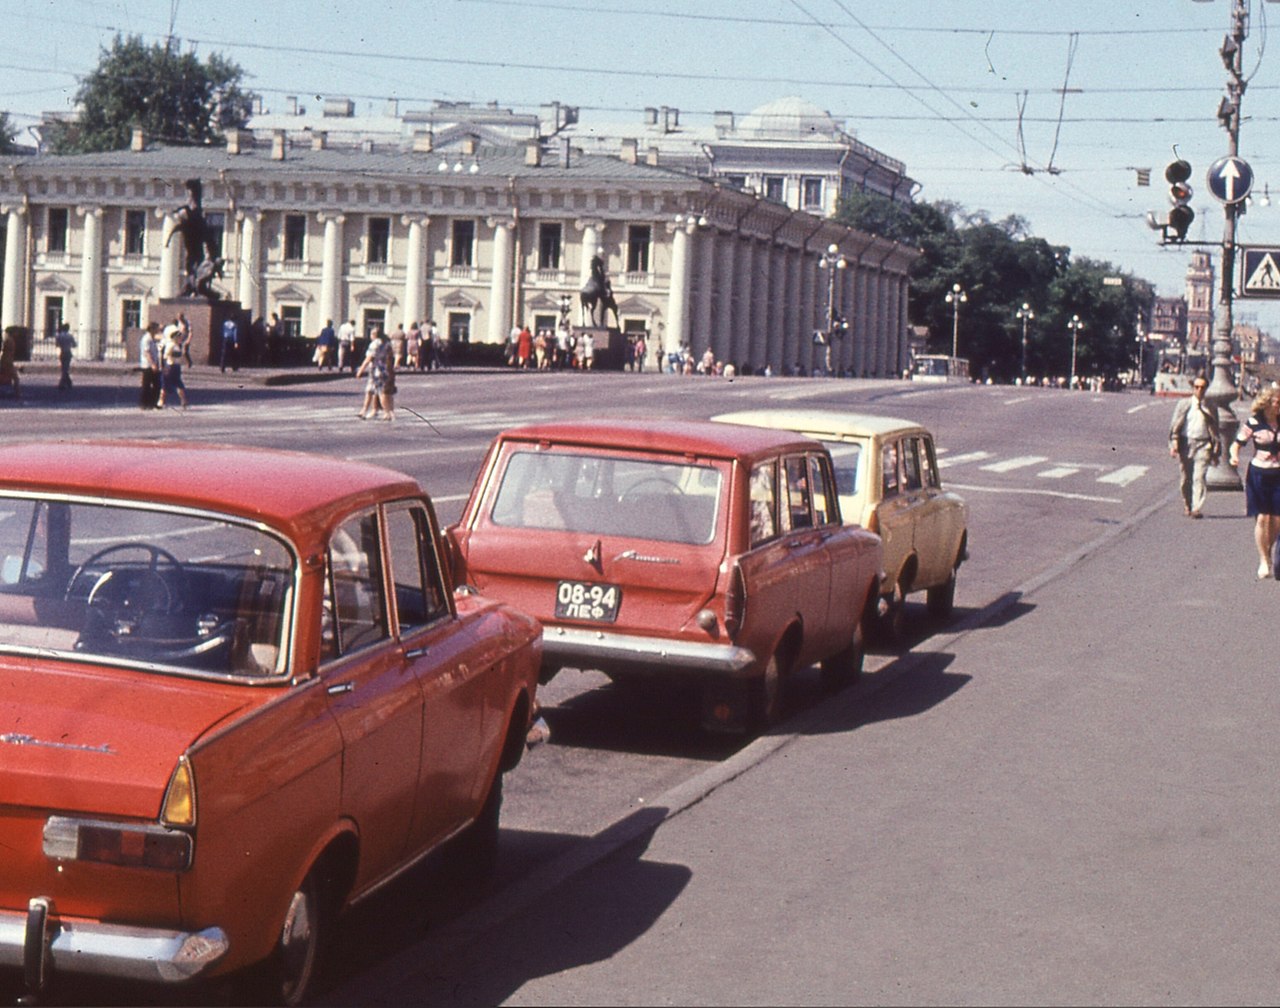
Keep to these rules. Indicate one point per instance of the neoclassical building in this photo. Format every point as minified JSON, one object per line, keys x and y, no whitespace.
{"x":476,"y":237}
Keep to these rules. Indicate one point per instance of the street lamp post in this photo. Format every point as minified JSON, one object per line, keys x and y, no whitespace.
{"x":833,"y":260}
{"x":1026,"y":315}
{"x":956,"y":297}
{"x":1075,"y":325}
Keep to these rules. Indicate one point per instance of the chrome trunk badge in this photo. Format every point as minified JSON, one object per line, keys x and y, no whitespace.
{"x":14,"y":738}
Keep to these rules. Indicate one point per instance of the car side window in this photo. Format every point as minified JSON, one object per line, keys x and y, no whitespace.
{"x":825,"y":507}
{"x":764,"y":521}
{"x":355,"y":610}
{"x":929,"y":463}
{"x":911,"y":479}
{"x":415,"y":571}
{"x":889,"y":470}
{"x":795,"y":491}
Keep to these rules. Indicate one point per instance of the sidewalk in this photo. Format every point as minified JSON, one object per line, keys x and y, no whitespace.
{"x":1074,"y":802}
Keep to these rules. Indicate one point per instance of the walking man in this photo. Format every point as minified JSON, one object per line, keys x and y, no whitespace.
{"x":230,"y":345}
{"x":1194,"y":439}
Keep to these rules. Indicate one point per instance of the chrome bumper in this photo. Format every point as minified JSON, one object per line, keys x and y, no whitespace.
{"x":40,"y":943}
{"x":609,"y":651}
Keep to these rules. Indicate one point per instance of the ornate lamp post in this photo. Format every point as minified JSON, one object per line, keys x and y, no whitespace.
{"x":956,"y":297}
{"x":1075,"y":325}
{"x":833,"y":260}
{"x":1026,"y":315}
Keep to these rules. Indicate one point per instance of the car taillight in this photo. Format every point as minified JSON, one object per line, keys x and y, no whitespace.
{"x":125,"y":844}
{"x":179,"y":808}
{"x":735,"y":603}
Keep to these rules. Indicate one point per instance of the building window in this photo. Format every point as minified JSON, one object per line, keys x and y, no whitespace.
{"x":812,"y":191}
{"x":774,"y":188}
{"x":291,"y":316}
{"x":548,"y":246}
{"x":736,"y":181}
{"x":56,"y":239}
{"x":374,"y":318}
{"x":52,"y":316}
{"x":464,"y":240}
{"x":130,"y":314}
{"x":215,"y":227}
{"x":295,"y":237}
{"x":638,"y":248}
{"x":379,"y":240}
{"x":135,"y":232}
{"x":459,"y":327}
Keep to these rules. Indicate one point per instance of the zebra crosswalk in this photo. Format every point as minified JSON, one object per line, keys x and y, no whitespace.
{"x":1042,"y":467}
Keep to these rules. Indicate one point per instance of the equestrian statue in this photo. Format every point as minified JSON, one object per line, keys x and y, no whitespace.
{"x":598,"y":291}
{"x":201,"y":257}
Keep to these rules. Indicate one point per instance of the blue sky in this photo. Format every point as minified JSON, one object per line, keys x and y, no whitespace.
{"x":968,"y":93}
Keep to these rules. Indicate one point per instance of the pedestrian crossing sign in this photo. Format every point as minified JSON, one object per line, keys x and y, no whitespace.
{"x":1260,"y":275}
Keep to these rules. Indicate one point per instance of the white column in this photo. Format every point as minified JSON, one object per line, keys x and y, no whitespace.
{"x":700,"y":325}
{"x":15,"y":255}
{"x":89,"y":336}
{"x":415,"y":281}
{"x":591,"y":231}
{"x":249,"y":275}
{"x":170,"y":257}
{"x":859,"y":322}
{"x":795,"y":321}
{"x":677,"y":333}
{"x":726,"y":266}
{"x":331,"y":267}
{"x":500,"y":281}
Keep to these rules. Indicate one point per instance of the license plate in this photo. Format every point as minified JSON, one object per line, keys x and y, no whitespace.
{"x":580,"y":600}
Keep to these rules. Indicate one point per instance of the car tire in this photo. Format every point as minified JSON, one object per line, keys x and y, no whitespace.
{"x":841,"y":670}
{"x":481,"y":837}
{"x":288,"y":975}
{"x":892,"y":624}
{"x":941,"y":599}
{"x":766,"y":696}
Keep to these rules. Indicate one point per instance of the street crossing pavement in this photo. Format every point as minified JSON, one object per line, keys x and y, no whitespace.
{"x":1043,"y":467}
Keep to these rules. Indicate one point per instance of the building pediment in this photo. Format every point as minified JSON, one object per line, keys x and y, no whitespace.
{"x":542,"y":301}
{"x":53,"y":282}
{"x":637,"y":306}
{"x":130,"y":287}
{"x":374,"y":296}
{"x":292,"y":292}
{"x":460,"y":299}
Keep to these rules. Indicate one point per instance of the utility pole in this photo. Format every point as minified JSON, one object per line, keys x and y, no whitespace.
{"x":1222,"y":390}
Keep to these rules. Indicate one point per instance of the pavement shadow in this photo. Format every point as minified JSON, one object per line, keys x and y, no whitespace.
{"x":923,"y":684}
{"x":594,"y":914}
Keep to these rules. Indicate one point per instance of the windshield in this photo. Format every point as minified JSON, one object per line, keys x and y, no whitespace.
{"x":610,"y":495}
{"x":127,"y":584}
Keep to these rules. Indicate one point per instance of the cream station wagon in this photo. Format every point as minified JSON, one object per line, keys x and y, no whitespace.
{"x":887,"y":479}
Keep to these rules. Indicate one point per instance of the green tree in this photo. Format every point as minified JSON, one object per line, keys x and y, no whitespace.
{"x":171,"y":95}
{"x":8,"y":135}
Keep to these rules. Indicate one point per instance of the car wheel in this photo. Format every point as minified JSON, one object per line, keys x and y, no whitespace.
{"x":892,"y":624}
{"x":941,"y":599}
{"x":767,"y":695}
{"x":481,"y":837}
{"x":843,"y":669}
{"x":287,"y":976}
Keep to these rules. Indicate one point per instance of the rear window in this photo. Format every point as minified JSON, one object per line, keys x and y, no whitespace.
{"x":844,"y":459}
{"x":609,"y":495}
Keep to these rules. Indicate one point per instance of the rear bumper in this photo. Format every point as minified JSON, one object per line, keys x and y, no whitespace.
{"x":40,"y":943}
{"x":616,"y":652}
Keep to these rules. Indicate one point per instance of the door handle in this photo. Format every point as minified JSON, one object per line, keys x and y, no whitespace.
{"x":340,"y":688}
{"x":413,"y":654}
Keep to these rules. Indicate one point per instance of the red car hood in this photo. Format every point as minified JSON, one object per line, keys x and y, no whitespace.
{"x":96,"y":741}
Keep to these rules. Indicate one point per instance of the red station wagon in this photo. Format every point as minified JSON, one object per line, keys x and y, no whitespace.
{"x":237,"y":693}
{"x":690,"y":550}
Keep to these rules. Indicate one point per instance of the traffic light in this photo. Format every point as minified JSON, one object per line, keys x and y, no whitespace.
{"x":1181,"y":215}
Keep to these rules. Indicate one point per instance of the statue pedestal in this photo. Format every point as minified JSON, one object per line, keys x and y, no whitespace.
{"x":609,"y":347}
{"x":206,"y":318}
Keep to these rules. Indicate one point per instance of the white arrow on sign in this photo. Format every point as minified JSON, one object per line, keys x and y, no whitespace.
{"x":1230,"y":176}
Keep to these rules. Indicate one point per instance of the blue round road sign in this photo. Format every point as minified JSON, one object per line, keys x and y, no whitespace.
{"x":1230,"y":179}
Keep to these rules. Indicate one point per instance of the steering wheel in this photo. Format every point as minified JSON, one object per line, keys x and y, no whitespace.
{"x":122,"y":596}
{"x":634,"y":491}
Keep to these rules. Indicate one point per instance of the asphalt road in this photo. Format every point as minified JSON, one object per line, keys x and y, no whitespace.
{"x":1052,"y":478}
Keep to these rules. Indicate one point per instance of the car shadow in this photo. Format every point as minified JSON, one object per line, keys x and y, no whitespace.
{"x":923,"y":684}
{"x":596,"y":912}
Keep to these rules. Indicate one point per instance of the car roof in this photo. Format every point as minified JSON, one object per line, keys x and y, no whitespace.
{"x":824,"y":422}
{"x":278,"y":487}
{"x":699,"y":437}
